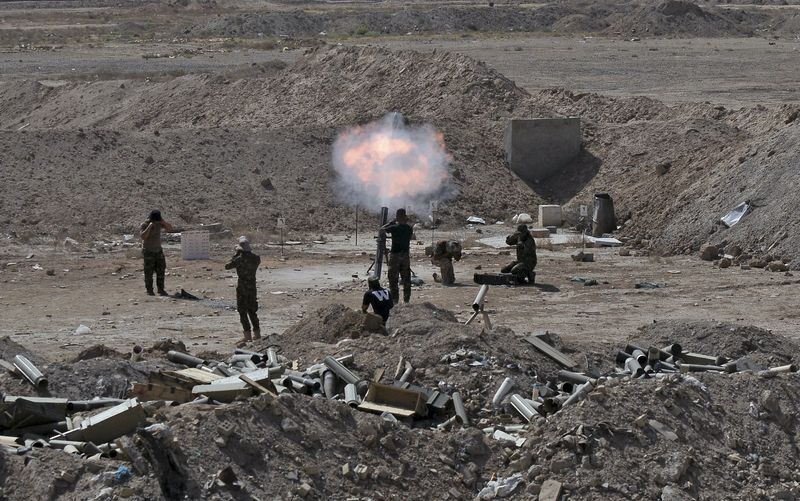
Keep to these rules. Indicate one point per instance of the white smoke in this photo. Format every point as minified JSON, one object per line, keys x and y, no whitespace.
{"x":387,"y":163}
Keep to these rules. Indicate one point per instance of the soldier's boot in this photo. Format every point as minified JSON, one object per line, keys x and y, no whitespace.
{"x":247,"y":337}
{"x":256,"y":334}
{"x":150,"y":292}
{"x":162,"y":292}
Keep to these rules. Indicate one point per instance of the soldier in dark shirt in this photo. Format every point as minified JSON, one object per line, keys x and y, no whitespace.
{"x":378,"y":297}
{"x":153,"y":254}
{"x":399,"y":256}
{"x":246,"y":264}
{"x":526,"y":254}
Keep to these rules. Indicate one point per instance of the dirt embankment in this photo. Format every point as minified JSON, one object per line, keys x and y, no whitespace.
{"x":206,"y":149}
{"x":671,"y":18}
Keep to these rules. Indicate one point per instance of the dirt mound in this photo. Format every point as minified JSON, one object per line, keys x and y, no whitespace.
{"x":333,"y":323}
{"x":277,"y":129}
{"x":98,"y":351}
{"x":760,"y":347}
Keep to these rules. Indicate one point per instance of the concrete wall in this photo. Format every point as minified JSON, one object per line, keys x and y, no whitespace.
{"x":538,"y":148}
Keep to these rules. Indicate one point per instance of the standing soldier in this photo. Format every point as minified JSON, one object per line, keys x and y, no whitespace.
{"x":443,"y":254}
{"x":526,"y":255}
{"x":399,"y":255}
{"x":152,"y":252}
{"x":246,"y":263}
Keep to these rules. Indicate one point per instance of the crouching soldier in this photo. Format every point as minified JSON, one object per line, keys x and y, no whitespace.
{"x":378,"y":297}
{"x":246,"y":264}
{"x":444,"y":253}
{"x":526,"y":255}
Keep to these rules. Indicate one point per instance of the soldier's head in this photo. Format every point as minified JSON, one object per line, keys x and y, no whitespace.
{"x":155,"y":215}
{"x":243,"y":244}
{"x":374,"y":282}
{"x":522,"y":229}
{"x":401,"y":216}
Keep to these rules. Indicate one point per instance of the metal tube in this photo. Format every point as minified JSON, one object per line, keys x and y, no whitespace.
{"x":675,"y":349}
{"x":343,"y":373}
{"x":243,"y":357}
{"x":630,"y":348}
{"x":573,"y":377}
{"x":381,"y":242}
{"x":478,"y":303}
{"x":580,"y":392}
{"x":241,"y":351}
{"x":640,"y":357}
{"x":633,"y":367}
{"x":136,"y":353}
{"x":446,"y":425}
{"x":184,"y":358}
{"x":272,"y":357}
{"x":700,"y":368}
{"x":523,"y":407}
{"x":458,"y":405}
{"x":566,"y":387}
{"x":314,"y":384}
{"x":505,"y":387}
{"x":700,"y":359}
{"x":351,"y":395}
{"x":30,"y":372}
{"x":406,"y":373}
{"x":664,"y":366}
{"x":297,"y":387}
{"x":329,"y":383}
{"x":621,"y":357}
{"x":345,"y":359}
{"x":782,"y":368}
{"x":86,"y":405}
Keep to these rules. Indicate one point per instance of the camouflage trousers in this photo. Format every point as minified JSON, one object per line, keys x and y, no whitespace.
{"x":154,"y":262}
{"x":400,"y":267}
{"x":446,"y":268}
{"x":247,"y":306}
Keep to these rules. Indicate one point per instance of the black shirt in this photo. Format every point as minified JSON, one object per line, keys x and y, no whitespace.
{"x":401,"y":236}
{"x":381,"y":302}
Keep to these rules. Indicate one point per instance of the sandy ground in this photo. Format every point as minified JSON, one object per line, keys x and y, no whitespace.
{"x":106,"y":293}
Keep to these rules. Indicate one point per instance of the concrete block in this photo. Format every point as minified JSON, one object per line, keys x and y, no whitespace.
{"x":540,"y":233}
{"x":549,"y":215}
{"x":539,"y":148}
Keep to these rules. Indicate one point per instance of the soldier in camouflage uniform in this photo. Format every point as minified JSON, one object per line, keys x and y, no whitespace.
{"x":152,"y":252}
{"x":399,"y":256}
{"x":526,"y":255}
{"x":246,"y":263}
{"x":443,"y":254}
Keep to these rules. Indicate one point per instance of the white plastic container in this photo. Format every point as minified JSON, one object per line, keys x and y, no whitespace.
{"x":195,"y":245}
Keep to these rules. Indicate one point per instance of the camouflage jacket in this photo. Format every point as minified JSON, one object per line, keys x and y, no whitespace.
{"x":246,"y":264}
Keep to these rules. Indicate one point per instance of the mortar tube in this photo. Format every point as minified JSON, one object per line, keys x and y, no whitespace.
{"x":505,"y":387}
{"x":640,"y":357}
{"x":245,"y":358}
{"x":329,"y":383}
{"x":87,"y":405}
{"x":675,"y":349}
{"x":523,"y":407}
{"x":731,"y":367}
{"x":314,"y":384}
{"x":700,"y":368}
{"x":70,"y":449}
{"x":297,"y":387}
{"x":136,"y":353}
{"x":633,"y":367}
{"x":200,"y":401}
{"x":580,"y":392}
{"x":476,"y":305}
{"x":184,"y":358}
{"x":406,"y":373}
{"x":38,"y":429}
{"x":700,"y":359}
{"x":537,"y":406}
{"x":458,"y":405}
{"x":272,"y":357}
{"x":351,"y":395}
{"x":31,"y":373}
{"x":573,"y":377}
{"x":60,"y":444}
{"x":781,"y":369}
{"x":653,"y":355}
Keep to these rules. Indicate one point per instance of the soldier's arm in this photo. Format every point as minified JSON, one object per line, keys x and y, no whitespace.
{"x":512,"y":239}
{"x":146,"y":228}
{"x":166,"y":226}
{"x":233,"y":262}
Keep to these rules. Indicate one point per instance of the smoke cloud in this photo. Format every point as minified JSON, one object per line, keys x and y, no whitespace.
{"x":387,"y":163}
